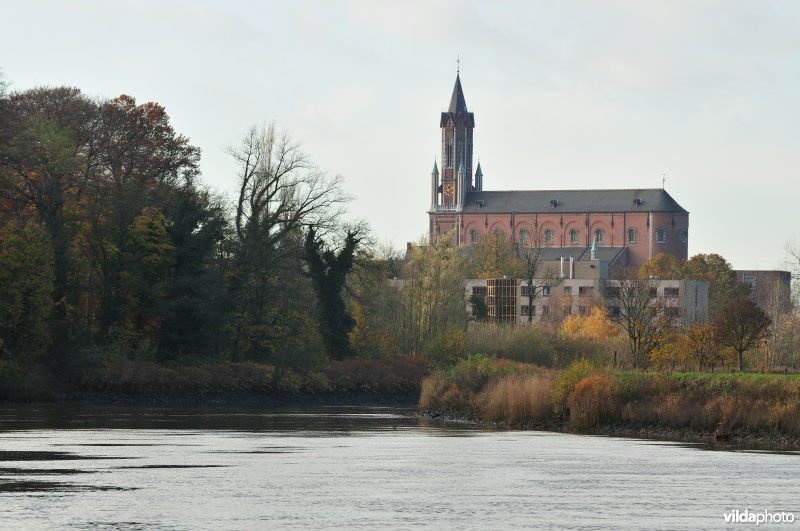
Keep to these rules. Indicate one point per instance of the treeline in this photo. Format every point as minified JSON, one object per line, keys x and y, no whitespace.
{"x":112,"y":248}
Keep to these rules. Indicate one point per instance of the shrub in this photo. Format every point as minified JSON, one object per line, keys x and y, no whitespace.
{"x":566,"y":380}
{"x":446,"y":348}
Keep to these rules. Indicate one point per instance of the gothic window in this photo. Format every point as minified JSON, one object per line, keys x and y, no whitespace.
{"x":473,"y":236}
{"x":661,"y":236}
{"x":631,"y":235}
{"x":448,"y":154}
{"x":598,"y":235}
{"x":524,"y":237}
{"x":548,"y":237}
{"x":573,"y":236}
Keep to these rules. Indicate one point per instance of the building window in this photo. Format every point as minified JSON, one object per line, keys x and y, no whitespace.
{"x":653,"y":293}
{"x":526,"y":291}
{"x":750,"y":282}
{"x":598,"y":235}
{"x":524,"y":238}
{"x":585,"y":291}
{"x":583,"y":310}
{"x":546,"y":291}
{"x":672,"y":311}
{"x":567,"y":311}
{"x":548,"y":237}
{"x":524,"y":310}
{"x":480,"y":291}
{"x":631,"y":235}
{"x":613,"y":292}
{"x":672,"y":292}
{"x":567,"y":290}
{"x":573,"y":236}
{"x":661,"y":236}
{"x":545,"y":310}
{"x":448,"y":154}
{"x":473,"y":236}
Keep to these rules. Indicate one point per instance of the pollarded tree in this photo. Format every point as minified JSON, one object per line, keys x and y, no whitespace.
{"x":741,"y":325}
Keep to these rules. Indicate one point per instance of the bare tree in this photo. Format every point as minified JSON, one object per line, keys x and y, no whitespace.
{"x":281,"y":195}
{"x":644,"y":316}
{"x":280,"y":191}
{"x":533,"y":271}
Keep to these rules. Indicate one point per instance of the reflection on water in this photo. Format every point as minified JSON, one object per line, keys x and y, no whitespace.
{"x":191,"y":468}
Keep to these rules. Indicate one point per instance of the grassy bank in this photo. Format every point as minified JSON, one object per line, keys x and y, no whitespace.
{"x":395,"y":380}
{"x":584,"y":399}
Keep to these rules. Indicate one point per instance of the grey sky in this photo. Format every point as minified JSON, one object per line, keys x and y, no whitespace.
{"x":568,"y":94}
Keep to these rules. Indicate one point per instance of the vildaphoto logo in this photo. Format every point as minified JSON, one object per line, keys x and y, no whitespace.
{"x":758,"y":517}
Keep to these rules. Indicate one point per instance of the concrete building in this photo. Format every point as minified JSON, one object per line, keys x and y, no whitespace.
{"x":771,"y":290}
{"x":584,"y":283}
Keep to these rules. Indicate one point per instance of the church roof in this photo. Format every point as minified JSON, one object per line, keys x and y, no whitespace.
{"x":457,"y":102}
{"x":552,"y":201}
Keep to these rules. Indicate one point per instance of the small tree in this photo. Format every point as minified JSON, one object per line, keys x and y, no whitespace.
{"x":641,"y":315}
{"x":531,"y":271}
{"x":740,"y":325}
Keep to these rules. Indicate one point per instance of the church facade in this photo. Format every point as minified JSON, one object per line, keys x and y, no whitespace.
{"x":629,"y":225}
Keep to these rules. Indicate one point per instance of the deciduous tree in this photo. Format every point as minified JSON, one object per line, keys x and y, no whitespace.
{"x":741,"y":325}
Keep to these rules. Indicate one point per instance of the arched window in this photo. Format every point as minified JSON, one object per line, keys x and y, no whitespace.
{"x":548,"y":237}
{"x":524,"y":237}
{"x":448,"y":154}
{"x":573,"y":236}
{"x":473,"y":237}
{"x":661,"y":236}
{"x":631,"y":235}
{"x":598,"y":235}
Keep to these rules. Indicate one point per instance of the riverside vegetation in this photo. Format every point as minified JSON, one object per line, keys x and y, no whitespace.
{"x":585,"y":399}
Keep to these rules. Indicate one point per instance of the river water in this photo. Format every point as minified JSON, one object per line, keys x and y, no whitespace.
{"x":338,"y":467}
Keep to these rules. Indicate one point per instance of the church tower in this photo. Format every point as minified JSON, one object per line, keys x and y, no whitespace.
{"x":457,"y":125}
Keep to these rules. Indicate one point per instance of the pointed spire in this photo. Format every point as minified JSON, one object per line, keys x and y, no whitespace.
{"x":595,"y":246}
{"x":478,"y":171}
{"x":461,"y":170}
{"x":457,"y":102}
{"x":435,"y":169}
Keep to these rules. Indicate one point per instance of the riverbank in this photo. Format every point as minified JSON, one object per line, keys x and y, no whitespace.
{"x":724,"y":410}
{"x":394,"y":381}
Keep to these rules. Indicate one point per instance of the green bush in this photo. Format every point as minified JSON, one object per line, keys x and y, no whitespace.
{"x":447,"y":348}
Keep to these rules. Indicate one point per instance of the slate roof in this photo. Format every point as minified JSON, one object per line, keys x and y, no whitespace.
{"x":457,"y":102}
{"x":570,"y":201}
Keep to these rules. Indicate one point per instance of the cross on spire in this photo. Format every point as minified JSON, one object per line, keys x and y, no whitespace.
{"x":458,"y":64}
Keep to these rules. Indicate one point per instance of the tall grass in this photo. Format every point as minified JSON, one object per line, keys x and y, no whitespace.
{"x":583,"y":398}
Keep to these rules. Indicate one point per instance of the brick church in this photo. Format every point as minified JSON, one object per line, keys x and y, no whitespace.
{"x":630,"y":226}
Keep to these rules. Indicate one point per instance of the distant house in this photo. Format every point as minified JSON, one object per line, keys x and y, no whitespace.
{"x":770,"y":289}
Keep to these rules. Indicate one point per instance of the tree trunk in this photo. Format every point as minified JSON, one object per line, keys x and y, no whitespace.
{"x":741,"y":361}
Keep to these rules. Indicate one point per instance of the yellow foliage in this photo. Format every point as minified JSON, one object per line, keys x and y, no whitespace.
{"x":596,"y":325}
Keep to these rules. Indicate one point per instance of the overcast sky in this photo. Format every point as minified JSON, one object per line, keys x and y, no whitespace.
{"x":566,"y":95}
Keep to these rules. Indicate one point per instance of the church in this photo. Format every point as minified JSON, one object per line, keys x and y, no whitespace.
{"x":629,"y":226}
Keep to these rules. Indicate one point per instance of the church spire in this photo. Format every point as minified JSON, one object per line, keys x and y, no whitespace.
{"x":458,"y":104}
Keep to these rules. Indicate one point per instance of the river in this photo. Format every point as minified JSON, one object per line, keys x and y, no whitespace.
{"x":339,"y":467}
